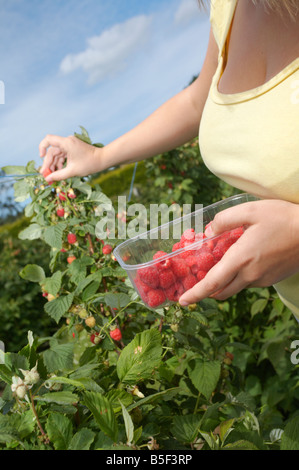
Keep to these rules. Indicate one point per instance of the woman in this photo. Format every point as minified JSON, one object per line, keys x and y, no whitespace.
{"x":245,"y":104}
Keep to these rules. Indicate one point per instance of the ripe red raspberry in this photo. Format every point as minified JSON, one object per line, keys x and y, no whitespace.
{"x":149,"y":276}
{"x":116,"y":334}
{"x":155,"y":298}
{"x":71,"y":194}
{"x":189,"y":281}
{"x":62,"y":196}
{"x":70,"y":259}
{"x":200,"y":275}
{"x":141,"y":286}
{"x":188,"y":235}
{"x":71,"y":238}
{"x":176,"y":246}
{"x":107,"y":249}
{"x":60,"y":212}
{"x":174,"y":292}
{"x":205,"y":261}
{"x":236,"y":233}
{"x":221,"y":247}
{"x":94,"y":338}
{"x":163,"y":264}
{"x":179,"y":267}
{"x":166,"y":279}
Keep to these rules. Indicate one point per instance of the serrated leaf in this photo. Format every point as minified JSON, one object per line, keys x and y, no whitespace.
{"x":33,"y":273}
{"x":59,"y":429}
{"x":82,"y":440}
{"x":139,"y":358}
{"x":290,"y":436}
{"x":128,"y":424}
{"x":33,"y":232}
{"x":185,"y":428}
{"x":60,"y":398}
{"x":118,"y":300}
{"x":14,"y":170}
{"x":53,"y":235}
{"x":204,"y":375}
{"x":103,"y":413}
{"x":58,"y":307}
{"x":52,"y":284}
{"x":59,"y":357}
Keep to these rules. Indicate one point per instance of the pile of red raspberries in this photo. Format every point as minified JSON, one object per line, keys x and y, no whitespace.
{"x":167,"y":279}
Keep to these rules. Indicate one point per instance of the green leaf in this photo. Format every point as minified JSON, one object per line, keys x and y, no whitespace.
{"x":33,"y":232}
{"x":58,"y":307}
{"x":14,"y":170}
{"x":59,"y":429}
{"x":59,"y":357}
{"x":33,"y":273}
{"x":82,"y":440}
{"x":226,"y":428}
{"x":53,"y":235}
{"x":128,"y":424}
{"x":118,"y":300}
{"x":290,"y":436}
{"x":204,"y":375}
{"x":21,"y":191}
{"x":140,"y":357}
{"x":240,"y":445}
{"x":258,"y":306}
{"x":103,"y":413}
{"x":185,"y":428}
{"x":52,"y":284}
{"x":60,"y":398}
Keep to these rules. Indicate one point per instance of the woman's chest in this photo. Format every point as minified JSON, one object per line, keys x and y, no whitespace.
{"x":260,"y":44}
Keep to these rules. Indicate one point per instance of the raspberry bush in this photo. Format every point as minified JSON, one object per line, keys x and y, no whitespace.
{"x":116,"y":375}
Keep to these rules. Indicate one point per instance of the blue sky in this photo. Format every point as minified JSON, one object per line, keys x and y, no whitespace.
{"x":102,"y":64}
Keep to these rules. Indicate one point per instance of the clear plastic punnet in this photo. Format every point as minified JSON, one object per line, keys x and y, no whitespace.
{"x":166,"y":261}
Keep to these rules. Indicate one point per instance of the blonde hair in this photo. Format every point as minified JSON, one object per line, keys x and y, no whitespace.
{"x":291,"y":6}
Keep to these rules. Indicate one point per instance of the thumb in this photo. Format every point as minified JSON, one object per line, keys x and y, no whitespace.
{"x":59,"y":175}
{"x":229,"y":219}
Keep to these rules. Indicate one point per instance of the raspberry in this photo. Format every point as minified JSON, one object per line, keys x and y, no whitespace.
{"x":166,"y":279}
{"x":179,"y":267}
{"x":155,"y":298}
{"x":174,"y":292}
{"x":149,"y":276}
{"x":90,"y":322}
{"x":200,"y":275}
{"x":165,"y":263}
{"x":94,"y":338}
{"x":47,"y":172}
{"x":71,"y":238}
{"x":236,"y":233}
{"x":188,"y":235}
{"x":60,"y":212}
{"x":176,"y":246}
{"x":70,"y":259}
{"x":62,"y":196}
{"x":116,"y":334}
{"x":71,"y":194}
{"x":189,"y":281}
{"x":205,"y":261}
{"x":107,"y":249}
{"x":141,"y":286}
{"x":221,"y":247}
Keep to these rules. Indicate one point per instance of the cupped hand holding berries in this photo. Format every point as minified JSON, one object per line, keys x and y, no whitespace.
{"x":265,"y":254}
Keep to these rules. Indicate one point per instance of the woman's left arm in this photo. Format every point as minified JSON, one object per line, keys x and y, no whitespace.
{"x":265,"y":254}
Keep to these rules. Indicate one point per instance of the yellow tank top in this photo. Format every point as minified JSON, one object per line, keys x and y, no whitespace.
{"x":251,"y":139}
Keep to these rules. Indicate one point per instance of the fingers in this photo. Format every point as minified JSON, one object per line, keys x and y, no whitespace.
{"x":229,"y":219}
{"x":221,"y":281}
{"x":51,"y":141}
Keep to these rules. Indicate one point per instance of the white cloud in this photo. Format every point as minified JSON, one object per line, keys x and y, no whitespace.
{"x":186,"y":12}
{"x":107,"y":53}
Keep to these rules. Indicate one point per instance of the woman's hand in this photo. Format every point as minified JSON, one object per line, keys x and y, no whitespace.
{"x":81,"y":159}
{"x":265,"y":254}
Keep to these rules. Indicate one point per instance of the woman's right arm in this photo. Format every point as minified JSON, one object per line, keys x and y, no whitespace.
{"x":171,"y":125}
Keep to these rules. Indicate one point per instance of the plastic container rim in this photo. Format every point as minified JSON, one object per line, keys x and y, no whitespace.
{"x":132,"y":267}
